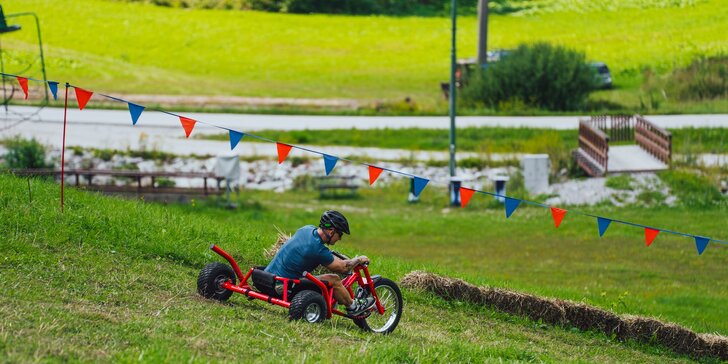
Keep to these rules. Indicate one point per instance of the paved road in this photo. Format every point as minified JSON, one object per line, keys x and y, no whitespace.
{"x":251,"y":122}
{"x":155,"y":130}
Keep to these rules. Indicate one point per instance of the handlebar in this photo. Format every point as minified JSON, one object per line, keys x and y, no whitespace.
{"x":344,"y":257}
{"x":339,"y":255}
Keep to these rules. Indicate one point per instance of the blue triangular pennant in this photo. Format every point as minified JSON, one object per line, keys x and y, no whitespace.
{"x":511,"y":206}
{"x":420,"y":184}
{"x":235,"y":137}
{"x":53,"y":85}
{"x":329,"y":163}
{"x":701,"y":243}
{"x":136,"y":111}
{"x":603,"y":225}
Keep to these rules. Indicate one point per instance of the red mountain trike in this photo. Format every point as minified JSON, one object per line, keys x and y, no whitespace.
{"x":306,"y":298}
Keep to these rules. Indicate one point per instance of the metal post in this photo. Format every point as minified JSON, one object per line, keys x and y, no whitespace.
{"x":482,"y":32}
{"x":2,"y":68}
{"x":453,"y":89}
{"x":40,"y":45}
{"x":63,"y":148}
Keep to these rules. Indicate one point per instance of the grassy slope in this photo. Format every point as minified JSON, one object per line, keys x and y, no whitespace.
{"x":117,"y":47}
{"x":114,"y":280}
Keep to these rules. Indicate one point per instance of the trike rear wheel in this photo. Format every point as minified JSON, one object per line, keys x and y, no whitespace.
{"x":309,"y":306}
{"x":391,"y":298}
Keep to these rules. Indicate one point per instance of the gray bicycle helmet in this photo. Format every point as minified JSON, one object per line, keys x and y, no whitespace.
{"x":334,"y":219}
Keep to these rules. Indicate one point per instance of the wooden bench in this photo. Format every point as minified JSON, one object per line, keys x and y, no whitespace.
{"x":337,"y":186}
{"x":139,"y":187}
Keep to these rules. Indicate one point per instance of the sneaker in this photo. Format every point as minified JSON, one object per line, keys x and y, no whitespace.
{"x":361,"y":305}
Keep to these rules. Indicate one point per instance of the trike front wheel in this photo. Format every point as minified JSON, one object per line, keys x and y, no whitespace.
{"x":391,"y":298}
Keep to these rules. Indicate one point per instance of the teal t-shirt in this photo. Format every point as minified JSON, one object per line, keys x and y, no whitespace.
{"x":302,"y":253}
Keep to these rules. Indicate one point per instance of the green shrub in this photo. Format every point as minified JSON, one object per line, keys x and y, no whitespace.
{"x":620,"y":182}
{"x":304,"y":182}
{"x":693,"y":190}
{"x":165,"y":182}
{"x":23,"y":153}
{"x":355,"y":7}
{"x":104,"y":154}
{"x":533,"y":76}
{"x":651,"y":198}
{"x":200,"y":4}
{"x":704,"y":79}
{"x":297,"y":161}
{"x":415,"y":7}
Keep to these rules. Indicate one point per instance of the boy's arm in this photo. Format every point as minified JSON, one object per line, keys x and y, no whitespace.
{"x":345,"y":266}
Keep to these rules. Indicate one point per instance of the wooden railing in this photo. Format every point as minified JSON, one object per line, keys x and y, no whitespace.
{"x":596,"y":133}
{"x":618,"y":127}
{"x":654,"y":139}
{"x":621,"y":128}
{"x":137,"y":176}
{"x":595,"y":143}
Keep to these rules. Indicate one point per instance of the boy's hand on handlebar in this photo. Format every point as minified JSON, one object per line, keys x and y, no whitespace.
{"x":362,"y":259}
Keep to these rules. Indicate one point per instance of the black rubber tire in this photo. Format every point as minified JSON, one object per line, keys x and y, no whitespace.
{"x":305,"y":305}
{"x":362,"y":323}
{"x":210,"y":279}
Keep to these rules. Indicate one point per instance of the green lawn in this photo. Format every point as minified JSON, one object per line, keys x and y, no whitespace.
{"x":135,"y":48}
{"x":113,"y":280}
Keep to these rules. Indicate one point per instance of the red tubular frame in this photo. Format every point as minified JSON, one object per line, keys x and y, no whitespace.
{"x":245,"y":289}
{"x":230,"y":260}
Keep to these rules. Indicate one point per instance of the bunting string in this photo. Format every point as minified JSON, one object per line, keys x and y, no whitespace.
{"x":330,"y":161}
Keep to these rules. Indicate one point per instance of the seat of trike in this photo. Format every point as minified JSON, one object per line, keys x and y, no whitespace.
{"x":265,"y":283}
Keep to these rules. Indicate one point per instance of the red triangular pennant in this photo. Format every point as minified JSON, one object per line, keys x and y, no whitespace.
{"x":374,"y":173}
{"x":283,"y":150}
{"x":82,"y":96}
{"x":188,"y":124}
{"x":465,"y":195}
{"x":650,"y":235}
{"x":23,"y":84}
{"x":558,"y":215}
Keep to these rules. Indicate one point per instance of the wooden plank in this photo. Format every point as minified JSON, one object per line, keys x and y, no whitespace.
{"x":632,"y":158}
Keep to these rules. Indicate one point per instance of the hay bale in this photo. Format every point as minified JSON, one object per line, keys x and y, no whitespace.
{"x":536,"y":308}
{"x":448,"y":288}
{"x":504,"y":300}
{"x":677,"y":338}
{"x":511,"y":302}
{"x":580,"y":315}
{"x":642,"y":329}
{"x":585,"y":317}
{"x":680,"y":340}
{"x":544,"y":309}
{"x":715,"y":345}
{"x":282,"y":238}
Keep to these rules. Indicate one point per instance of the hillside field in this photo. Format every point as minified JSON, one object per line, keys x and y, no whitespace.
{"x":114,"y":280}
{"x":117,"y":47}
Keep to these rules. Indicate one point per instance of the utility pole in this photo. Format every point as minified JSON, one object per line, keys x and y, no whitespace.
{"x":482,"y":32}
{"x":454,"y":193}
